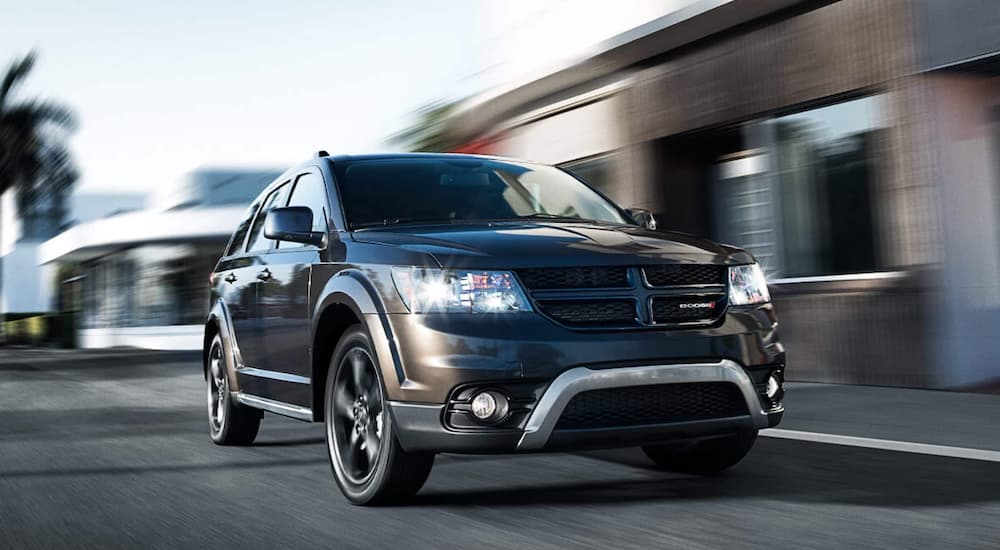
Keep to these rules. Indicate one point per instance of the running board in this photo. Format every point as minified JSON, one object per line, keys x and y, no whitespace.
{"x":277,"y":407}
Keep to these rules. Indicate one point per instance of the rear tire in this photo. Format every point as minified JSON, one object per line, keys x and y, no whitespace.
{"x":706,"y":457}
{"x":370,"y":466}
{"x":229,"y":422}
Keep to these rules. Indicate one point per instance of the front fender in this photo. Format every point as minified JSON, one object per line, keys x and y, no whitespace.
{"x":351,"y":288}
{"x":219,"y":315}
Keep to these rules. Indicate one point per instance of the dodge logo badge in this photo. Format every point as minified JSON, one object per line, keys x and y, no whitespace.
{"x":697,"y":305}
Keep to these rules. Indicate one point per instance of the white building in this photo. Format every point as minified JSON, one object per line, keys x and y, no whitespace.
{"x":26,"y":286}
{"x":145,"y":272}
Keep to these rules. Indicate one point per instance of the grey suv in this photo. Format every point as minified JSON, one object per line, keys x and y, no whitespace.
{"x":428,"y":303}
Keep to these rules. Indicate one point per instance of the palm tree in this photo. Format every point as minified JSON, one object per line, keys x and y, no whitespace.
{"x":33,"y":156}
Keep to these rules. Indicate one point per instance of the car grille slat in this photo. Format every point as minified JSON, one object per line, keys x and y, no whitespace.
{"x":562,"y":278}
{"x":659,"y":276}
{"x":584,"y":313}
{"x":654,"y":404}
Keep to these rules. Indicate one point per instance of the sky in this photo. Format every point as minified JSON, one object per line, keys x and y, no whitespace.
{"x":161,"y":88}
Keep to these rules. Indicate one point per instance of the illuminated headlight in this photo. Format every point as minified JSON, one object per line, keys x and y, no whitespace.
{"x":433,"y":290}
{"x":747,"y":285}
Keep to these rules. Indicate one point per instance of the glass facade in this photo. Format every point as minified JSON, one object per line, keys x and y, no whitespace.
{"x":801,"y":194}
{"x":153,"y":285}
{"x":826,"y":168}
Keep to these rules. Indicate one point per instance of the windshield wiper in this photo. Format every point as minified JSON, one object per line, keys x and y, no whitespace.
{"x":547,"y":216}
{"x":400,"y":221}
{"x":432,"y":220}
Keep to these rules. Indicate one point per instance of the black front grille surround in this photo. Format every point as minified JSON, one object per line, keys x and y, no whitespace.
{"x":621,"y":297}
{"x":654,"y":404}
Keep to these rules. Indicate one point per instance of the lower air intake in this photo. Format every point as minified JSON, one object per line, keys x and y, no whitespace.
{"x":657,"y":404}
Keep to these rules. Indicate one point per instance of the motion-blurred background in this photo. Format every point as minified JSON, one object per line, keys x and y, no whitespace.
{"x":853,"y":146}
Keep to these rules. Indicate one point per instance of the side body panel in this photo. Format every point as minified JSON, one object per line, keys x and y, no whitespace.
{"x":284,"y":305}
{"x":235,"y":286}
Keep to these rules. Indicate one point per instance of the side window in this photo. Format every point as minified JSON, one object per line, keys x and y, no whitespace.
{"x":236,"y":243}
{"x":309,"y":191}
{"x":257,"y":242}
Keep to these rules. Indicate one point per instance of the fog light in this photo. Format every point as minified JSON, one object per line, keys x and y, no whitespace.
{"x":484,"y":405}
{"x":489,"y":406}
{"x":773,"y":387}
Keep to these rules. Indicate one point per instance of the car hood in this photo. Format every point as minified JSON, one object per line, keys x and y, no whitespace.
{"x":540,"y":244}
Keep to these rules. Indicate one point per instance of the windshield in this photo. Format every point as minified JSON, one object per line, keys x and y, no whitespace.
{"x":417,"y":190}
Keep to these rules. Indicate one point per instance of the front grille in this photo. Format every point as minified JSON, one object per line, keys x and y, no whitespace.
{"x":615,"y":297}
{"x":685,"y":274}
{"x":688,"y":309}
{"x":657,"y":404}
{"x":562,"y":278}
{"x":589,"y":313}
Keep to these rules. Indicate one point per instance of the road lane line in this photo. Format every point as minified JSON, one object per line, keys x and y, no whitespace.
{"x":885,"y":444}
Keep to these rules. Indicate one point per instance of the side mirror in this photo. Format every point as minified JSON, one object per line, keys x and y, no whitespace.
{"x":292,"y":224}
{"x":642,"y":217}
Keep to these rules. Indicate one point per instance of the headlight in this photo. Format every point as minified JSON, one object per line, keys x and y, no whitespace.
{"x":434,"y":290}
{"x":747,"y":285}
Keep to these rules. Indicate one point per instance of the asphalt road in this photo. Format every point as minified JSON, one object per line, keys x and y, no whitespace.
{"x":109,"y":451}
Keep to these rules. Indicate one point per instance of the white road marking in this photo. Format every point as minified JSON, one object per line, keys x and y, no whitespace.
{"x":885,"y":444}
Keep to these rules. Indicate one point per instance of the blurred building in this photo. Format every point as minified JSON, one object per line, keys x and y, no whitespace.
{"x":853,"y":146}
{"x":144,"y":273}
{"x":27,"y":221}
{"x":25,"y":285}
{"x":87,"y":206}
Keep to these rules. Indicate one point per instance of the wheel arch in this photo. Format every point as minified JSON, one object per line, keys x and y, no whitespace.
{"x":211,"y":329}
{"x":346,"y":299}
{"x":219,"y":323}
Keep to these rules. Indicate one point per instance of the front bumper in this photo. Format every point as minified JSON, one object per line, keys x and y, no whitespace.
{"x":424,"y":357}
{"x":428,"y":359}
{"x":420,"y":427}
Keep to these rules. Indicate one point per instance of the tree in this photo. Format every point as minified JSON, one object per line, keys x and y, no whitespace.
{"x":34,"y":160}
{"x":428,"y":132}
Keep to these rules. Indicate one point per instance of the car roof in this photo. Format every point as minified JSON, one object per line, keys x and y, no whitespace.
{"x":427,"y":156}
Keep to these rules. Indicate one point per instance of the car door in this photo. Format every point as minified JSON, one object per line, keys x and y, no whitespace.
{"x":250,"y":277}
{"x":285,"y":296}
{"x":232,"y":277}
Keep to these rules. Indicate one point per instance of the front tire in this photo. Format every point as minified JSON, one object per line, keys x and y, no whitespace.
{"x":367,"y":461}
{"x":707,"y":457}
{"x":229,"y":423}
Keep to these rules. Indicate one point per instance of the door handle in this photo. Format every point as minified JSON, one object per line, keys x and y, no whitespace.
{"x":231,"y":278}
{"x":264,"y":275}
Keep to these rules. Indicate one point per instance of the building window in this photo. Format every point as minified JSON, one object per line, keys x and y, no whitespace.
{"x":826,"y":163}
{"x":149,"y":285}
